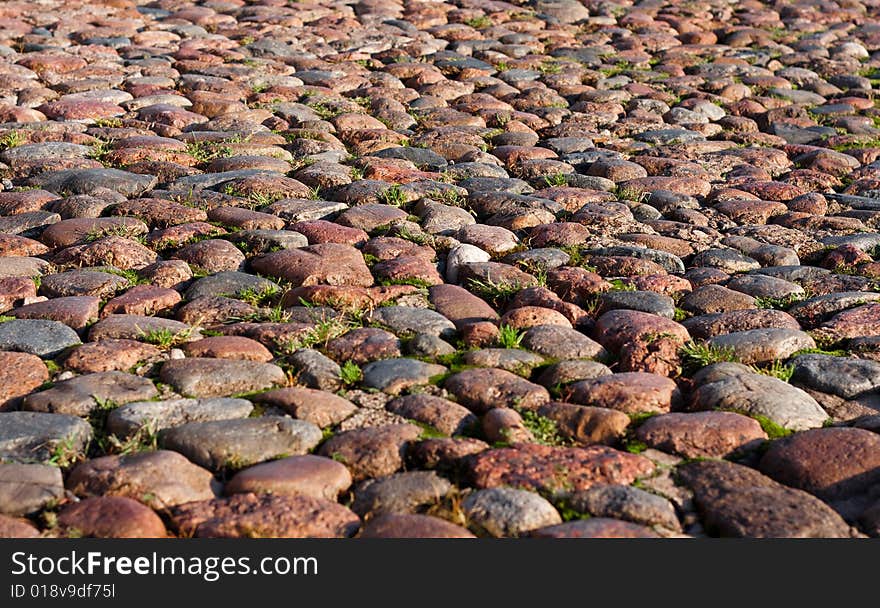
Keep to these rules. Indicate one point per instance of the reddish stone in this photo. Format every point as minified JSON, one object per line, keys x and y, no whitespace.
{"x":110,"y":517}
{"x":701,"y":434}
{"x":554,"y":470}
{"x":628,"y":392}
{"x":109,"y":355}
{"x":20,"y":373}
{"x":144,"y":300}
{"x":228,"y":347}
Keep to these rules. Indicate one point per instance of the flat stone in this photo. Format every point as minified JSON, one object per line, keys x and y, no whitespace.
{"x":394,"y":375}
{"x":228,"y":347}
{"x":319,"y":407}
{"x":446,"y":416}
{"x":82,"y":283}
{"x":110,"y":517}
{"x":628,"y":392}
{"x":410,"y":320}
{"x":554,"y":470}
{"x":37,"y":337}
{"x":308,"y":475}
{"x":764,"y":345}
{"x":81,"y":395}
{"x":483,"y":389}
{"x":701,"y":434}
{"x":842,"y":376}
{"x":220,"y":377}
{"x":837,"y":465}
{"x":127,"y":420}
{"x":159,"y":479}
{"x":731,"y":386}
{"x":39,"y":437}
{"x":234,"y":444}
{"x":227,"y":283}
{"x":372,"y":451}
{"x":264,"y":516}
{"x":586,"y":425}
{"x":703,"y":327}
{"x":27,"y":488}
{"x":501,"y":512}
{"x":617,"y":327}
{"x":324,"y":263}
{"x":20,"y":373}
{"x":626,"y":503}
{"x":399,"y":493}
{"x":561,"y":343}
{"x":87,"y":181}
{"x":736,"y":501}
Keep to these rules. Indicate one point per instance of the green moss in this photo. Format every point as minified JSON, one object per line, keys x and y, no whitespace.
{"x":510,"y":337}
{"x":479,"y":22}
{"x":777,"y":369}
{"x":543,"y":429}
{"x":697,"y":355}
{"x":350,"y":373}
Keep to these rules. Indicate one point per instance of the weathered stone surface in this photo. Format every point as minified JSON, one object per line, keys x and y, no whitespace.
{"x":701,"y":434}
{"x":40,"y":437}
{"x":20,"y":373}
{"x":733,"y":386}
{"x":81,"y":395}
{"x":399,"y":493}
{"x":482,"y":389}
{"x":309,"y":475}
{"x":157,"y":415}
{"x":159,"y":479}
{"x":220,"y":377}
{"x":627,"y":503}
{"x":110,"y":517}
{"x":233,"y":444}
{"x":835,"y":464}
{"x":371,"y":452}
{"x":27,"y":488}
{"x":629,"y":392}
{"x":738,"y":501}
{"x":37,"y":337}
{"x":508,"y":512}
{"x":554,"y":470}
{"x":264,"y":516}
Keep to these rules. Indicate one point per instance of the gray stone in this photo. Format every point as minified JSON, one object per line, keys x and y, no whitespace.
{"x":87,"y":181}
{"x":561,"y":343}
{"x":764,"y":345}
{"x":842,"y":376}
{"x":394,"y":375}
{"x":733,"y":386}
{"x":504,"y":512}
{"x":81,"y":395}
{"x":27,"y":488}
{"x":234,"y":444}
{"x":196,"y":377}
{"x":37,"y":337}
{"x":628,"y":503}
{"x":316,"y":370}
{"x":38,"y":437}
{"x":645,"y":301}
{"x":399,"y":493}
{"x":411,"y":320}
{"x":227,"y":283}
{"x":157,"y":415}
